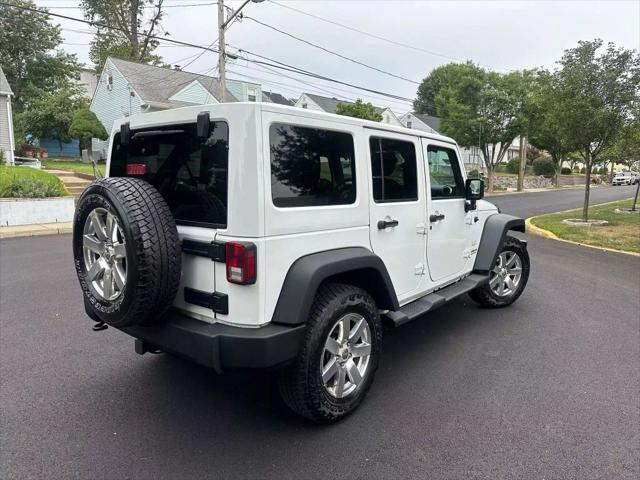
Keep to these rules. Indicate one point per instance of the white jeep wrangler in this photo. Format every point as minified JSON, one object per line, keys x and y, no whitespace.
{"x":262,"y":236}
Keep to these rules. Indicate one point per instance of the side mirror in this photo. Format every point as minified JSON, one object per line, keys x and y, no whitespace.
{"x":474,"y":190}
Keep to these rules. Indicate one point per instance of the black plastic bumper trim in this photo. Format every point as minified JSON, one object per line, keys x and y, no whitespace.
{"x":220,"y":346}
{"x":216,"y":301}
{"x":213,"y":250}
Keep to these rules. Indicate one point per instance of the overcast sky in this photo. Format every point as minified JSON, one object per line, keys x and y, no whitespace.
{"x":500,"y":35}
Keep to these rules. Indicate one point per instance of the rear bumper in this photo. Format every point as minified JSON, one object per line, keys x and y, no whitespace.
{"x":220,"y":346}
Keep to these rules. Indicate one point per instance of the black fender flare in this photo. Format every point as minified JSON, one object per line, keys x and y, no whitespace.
{"x":354,"y":265}
{"x":493,"y":235}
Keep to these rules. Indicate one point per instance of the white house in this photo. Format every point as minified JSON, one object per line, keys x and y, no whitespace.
{"x":472,"y":157}
{"x":330,"y":105}
{"x":87,"y":80}
{"x":127,"y":88}
{"x":7,"y":143}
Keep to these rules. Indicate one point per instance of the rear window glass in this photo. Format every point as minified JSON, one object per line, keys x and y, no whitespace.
{"x":311,"y":167}
{"x":189,"y":171}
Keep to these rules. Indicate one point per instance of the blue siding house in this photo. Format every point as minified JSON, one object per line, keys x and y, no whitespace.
{"x":128,"y":88}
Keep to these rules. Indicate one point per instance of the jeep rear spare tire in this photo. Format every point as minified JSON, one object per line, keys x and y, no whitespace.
{"x":126,"y":251}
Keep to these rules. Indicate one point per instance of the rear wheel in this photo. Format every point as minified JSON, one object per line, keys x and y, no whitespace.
{"x":508,"y":277}
{"x":338,"y":360}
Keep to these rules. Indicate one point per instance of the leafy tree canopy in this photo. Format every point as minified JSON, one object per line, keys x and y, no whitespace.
{"x":131,"y":24}
{"x":30,"y":55}
{"x":85,"y":126}
{"x":359,"y":109}
{"x":51,"y":114}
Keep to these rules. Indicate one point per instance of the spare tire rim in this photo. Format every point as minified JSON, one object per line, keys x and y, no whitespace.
{"x":104,"y":253}
{"x":345,"y":358}
{"x":506,"y":275}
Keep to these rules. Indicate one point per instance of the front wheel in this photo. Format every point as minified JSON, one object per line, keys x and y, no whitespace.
{"x":508,"y":277}
{"x":338,"y":360}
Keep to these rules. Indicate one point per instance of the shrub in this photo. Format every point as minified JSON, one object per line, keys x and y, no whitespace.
{"x":544,"y":166}
{"x":26,"y":182}
{"x":565,"y":171}
{"x":583,"y":170}
{"x":513,"y":166}
{"x":475,"y":173}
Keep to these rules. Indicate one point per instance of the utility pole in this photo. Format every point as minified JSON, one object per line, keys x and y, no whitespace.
{"x":221,"y":52}
{"x":523,"y":162}
{"x":222,"y":26}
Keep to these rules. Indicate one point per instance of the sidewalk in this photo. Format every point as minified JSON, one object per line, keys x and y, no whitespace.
{"x":33,"y":230}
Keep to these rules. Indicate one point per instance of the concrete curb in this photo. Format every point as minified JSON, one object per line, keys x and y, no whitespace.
{"x":36,"y":230}
{"x":541,"y":232}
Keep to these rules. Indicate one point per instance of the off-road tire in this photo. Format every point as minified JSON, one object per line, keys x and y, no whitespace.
{"x":485,"y":297}
{"x":153,"y":251}
{"x":300,"y":384}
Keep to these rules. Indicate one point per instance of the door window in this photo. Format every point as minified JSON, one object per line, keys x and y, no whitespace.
{"x":445,"y":174}
{"x":393,"y":163}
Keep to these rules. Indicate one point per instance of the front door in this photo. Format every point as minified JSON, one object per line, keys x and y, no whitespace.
{"x":397,"y":229}
{"x":446,"y":216}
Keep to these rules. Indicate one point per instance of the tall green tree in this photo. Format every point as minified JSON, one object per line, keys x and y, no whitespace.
{"x":544,"y":129}
{"x":131,"y":24}
{"x":51,"y":114}
{"x":477,"y":108}
{"x":31,"y":54}
{"x":85,"y":126}
{"x":597,"y":94}
{"x":359,"y":109}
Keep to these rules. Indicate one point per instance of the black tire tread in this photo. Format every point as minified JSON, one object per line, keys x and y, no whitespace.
{"x":158,"y":249}
{"x":483,"y":295}
{"x":295,"y":382}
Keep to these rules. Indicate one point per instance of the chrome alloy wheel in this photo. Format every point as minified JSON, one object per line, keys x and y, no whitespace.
{"x":506,"y":275}
{"x":345,"y":357}
{"x":104,"y":252}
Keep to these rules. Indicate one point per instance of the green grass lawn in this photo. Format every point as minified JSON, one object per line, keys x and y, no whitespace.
{"x":75,"y":166}
{"x":27,"y":182}
{"x":622,"y":233}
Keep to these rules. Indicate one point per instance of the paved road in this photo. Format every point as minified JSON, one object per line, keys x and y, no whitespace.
{"x":548,"y":388}
{"x":536,"y":203}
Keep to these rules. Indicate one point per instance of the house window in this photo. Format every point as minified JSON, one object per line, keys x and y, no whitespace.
{"x":304,"y":105}
{"x":109,"y":81}
{"x":409,"y":124}
{"x":251,"y":94}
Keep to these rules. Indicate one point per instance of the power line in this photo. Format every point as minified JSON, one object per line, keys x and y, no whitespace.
{"x":69,"y":7}
{"x":332,"y":52}
{"x":353,"y":29}
{"x":277,"y":64}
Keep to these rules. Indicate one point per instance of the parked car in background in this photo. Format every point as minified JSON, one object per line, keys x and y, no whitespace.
{"x":625,"y":178}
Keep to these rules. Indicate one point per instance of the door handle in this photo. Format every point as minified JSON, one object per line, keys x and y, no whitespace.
{"x":382,"y":224}
{"x":436,"y":217}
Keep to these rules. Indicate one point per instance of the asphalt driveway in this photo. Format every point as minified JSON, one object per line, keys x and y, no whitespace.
{"x":548,"y":388}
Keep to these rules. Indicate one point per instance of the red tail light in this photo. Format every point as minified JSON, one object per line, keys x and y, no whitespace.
{"x":136,"y":169}
{"x":241,"y":262}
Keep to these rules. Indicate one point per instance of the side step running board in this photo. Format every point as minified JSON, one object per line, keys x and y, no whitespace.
{"x":419,"y":307}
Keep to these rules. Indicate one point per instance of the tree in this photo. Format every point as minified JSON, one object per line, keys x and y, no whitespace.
{"x":30,"y":54}
{"x":50,"y":116}
{"x":480,"y":108}
{"x":596,"y":95}
{"x":544,"y":129}
{"x":466,"y":78}
{"x":85,"y":126}
{"x":129,"y":32}
{"x":359,"y":109}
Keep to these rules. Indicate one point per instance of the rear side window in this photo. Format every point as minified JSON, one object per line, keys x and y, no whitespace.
{"x":189,"y":171}
{"x":311,"y":167}
{"x":393,"y":163}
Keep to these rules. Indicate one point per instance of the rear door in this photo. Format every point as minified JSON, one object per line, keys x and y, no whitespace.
{"x":397,"y":199}
{"x":191,"y":174}
{"x":448,"y":228}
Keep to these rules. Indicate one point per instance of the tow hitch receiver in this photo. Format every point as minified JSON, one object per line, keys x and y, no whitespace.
{"x":141,"y":347}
